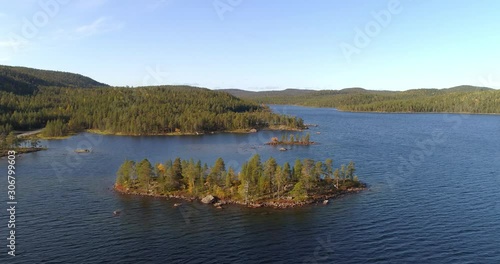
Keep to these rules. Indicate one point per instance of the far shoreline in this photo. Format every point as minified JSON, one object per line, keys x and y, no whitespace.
{"x":385,"y":112}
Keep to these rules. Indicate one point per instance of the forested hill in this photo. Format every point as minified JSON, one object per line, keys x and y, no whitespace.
{"x":135,"y":111}
{"x":22,"y":80}
{"x":460,"y":99}
{"x":267,"y":94}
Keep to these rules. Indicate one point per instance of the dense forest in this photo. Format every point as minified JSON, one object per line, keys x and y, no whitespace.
{"x":135,"y":111}
{"x":22,"y":80}
{"x":257,"y":182}
{"x":461,"y":99}
{"x":64,"y":103}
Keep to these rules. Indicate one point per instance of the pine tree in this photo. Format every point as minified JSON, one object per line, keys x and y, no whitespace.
{"x":177,"y":171}
{"x":351,"y":169}
{"x":299,"y":192}
{"x":11,"y":140}
{"x":336,"y":176}
{"x":125,"y":174}
{"x":270,"y":167}
{"x":229,"y":178}
{"x":144,"y":172}
{"x":287,"y":172}
{"x":297,"y":170}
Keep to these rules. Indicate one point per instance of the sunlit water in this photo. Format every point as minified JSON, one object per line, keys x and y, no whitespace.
{"x":433,"y":198}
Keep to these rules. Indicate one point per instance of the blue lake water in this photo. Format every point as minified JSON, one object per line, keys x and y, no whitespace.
{"x":434,"y":190}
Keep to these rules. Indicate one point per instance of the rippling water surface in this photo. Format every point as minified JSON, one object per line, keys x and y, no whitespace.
{"x":434,"y":190}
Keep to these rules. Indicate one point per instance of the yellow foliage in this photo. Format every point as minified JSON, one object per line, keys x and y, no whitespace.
{"x":161,"y":168}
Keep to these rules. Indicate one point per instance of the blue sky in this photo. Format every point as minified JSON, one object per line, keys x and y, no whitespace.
{"x":259,"y":44}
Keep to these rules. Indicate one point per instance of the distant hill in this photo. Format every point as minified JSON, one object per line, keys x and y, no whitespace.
{"x":22,"y":80}
{"x":249,"y":94}
{"x":468,"y":88}
{"x":459,"y":99}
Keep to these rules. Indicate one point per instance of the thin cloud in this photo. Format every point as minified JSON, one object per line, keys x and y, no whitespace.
{"x":99,"y":26}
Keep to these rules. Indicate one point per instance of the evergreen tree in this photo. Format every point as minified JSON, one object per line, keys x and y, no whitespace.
{"x":287,"y":172}
{"x":269,"y":173}
{"x":329,"y":170}
{"x":177,"y":171}
{"x":11,"y":140}
{"x":297,"y":170}
{"x":336,"y":176}
{"x":229,"y":178}
{"x":299,"y":192}
{"x":144,"y":171}
{"x":351,"y":169}
{"x":125,"y":174}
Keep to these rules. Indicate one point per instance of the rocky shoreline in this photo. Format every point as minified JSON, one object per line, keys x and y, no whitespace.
{"x":218,"y":203}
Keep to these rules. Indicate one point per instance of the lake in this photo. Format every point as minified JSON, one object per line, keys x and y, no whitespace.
{"x":434,"y":189}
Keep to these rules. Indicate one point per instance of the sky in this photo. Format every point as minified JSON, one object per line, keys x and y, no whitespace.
{"x":259,"y":44}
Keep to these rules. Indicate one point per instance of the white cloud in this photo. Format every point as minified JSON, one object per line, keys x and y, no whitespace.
{"x":100,"y":25}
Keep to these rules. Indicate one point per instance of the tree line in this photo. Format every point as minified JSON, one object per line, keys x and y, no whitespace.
{"x":257,"y":180}
{"x":462,"y":99}
{"x":135,"y":111}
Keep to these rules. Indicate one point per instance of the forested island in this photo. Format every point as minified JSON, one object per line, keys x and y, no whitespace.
{"x":65,"y":103}
{"x":304,"y":140}
{"x":257,"y":184}
{"x":460,"y":99}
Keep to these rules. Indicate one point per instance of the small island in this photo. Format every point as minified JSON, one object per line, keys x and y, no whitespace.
{"x":258,"y":184}
{"x":305,"y":140}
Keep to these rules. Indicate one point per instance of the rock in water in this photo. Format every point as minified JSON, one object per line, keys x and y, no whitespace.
{"x":325,"y":202}
{"x":208,"y":199}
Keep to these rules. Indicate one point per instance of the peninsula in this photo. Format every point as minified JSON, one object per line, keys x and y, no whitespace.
{"x":68,"y":103}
